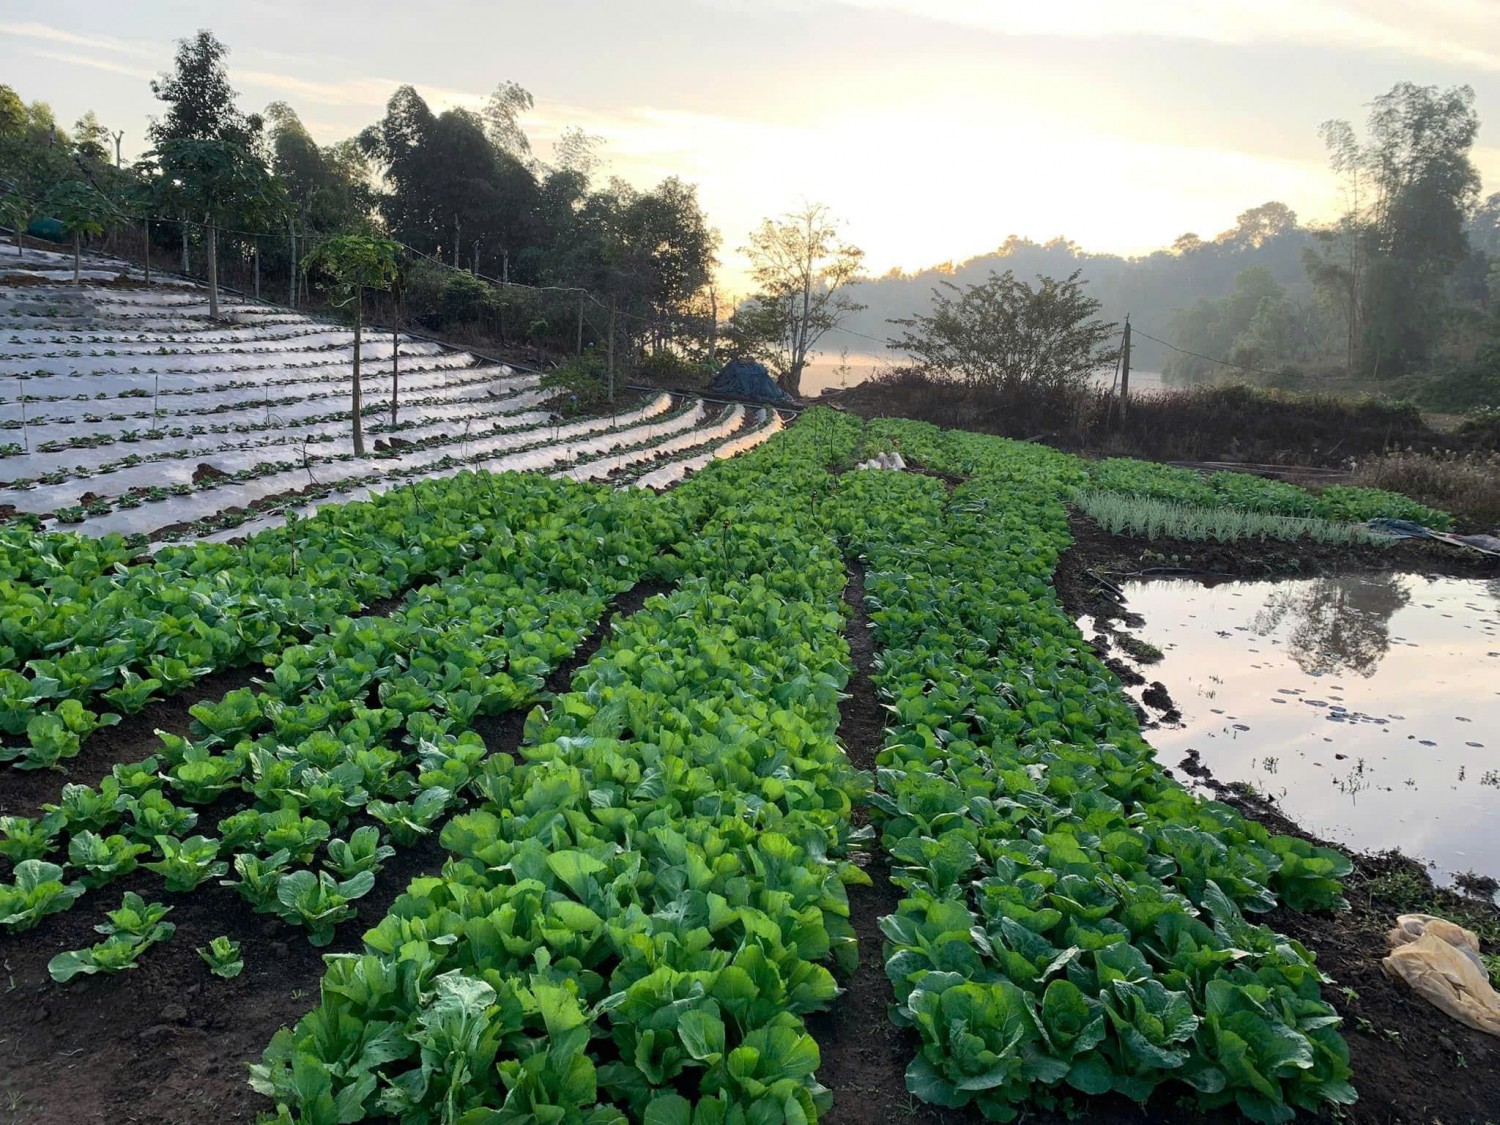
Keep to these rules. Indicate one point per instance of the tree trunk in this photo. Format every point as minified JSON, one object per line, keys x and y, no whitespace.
{"x":395,"y":371}
{"x":713,"y":325}
{"x":212,"y":250}
{"x":612,"y":349}
{"x":291,"y":295}
{"x":187,"y":266}
{"x":791,"y":381}
{"x":146,"y":256}
{"x":256,"y":252}
{"x":77,"y":280}
{"x":359,"y":430}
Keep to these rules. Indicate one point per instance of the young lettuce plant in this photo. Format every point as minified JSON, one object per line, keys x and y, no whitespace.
{"x":362,"y":852}
{"x":103,"y":858}
{"x":23,"y":837}
{"x":186,"y":863}
{"x":320,"y":902}
{"x":409,"y":821}
{"x":223,"y":957}
{"x":38,"y":890}
{"x":259,"y":879}
{"x":131,"y":930}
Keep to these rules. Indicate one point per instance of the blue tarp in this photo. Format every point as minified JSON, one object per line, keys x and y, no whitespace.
{"x":743,"y":379}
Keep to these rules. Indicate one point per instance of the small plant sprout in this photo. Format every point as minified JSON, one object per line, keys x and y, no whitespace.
{"x":223,"y":957}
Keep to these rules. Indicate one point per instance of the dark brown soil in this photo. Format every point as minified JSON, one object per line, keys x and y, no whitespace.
{"x":864,"y":1054}
{"x":23,"y":792}
{"x":168,"y":1043}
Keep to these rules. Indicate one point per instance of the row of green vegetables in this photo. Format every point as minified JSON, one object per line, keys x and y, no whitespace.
{"x":130,"y":634}
{"x":1340,"y":503}
{"x":636,"y":919}
{"x":31,"y":562}
{"x":368,"y":722}
{"x":1074,"y":921}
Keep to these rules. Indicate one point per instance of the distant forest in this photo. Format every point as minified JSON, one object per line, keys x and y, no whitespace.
{"x":1151,"y":289}
{"x":1399,"y":295}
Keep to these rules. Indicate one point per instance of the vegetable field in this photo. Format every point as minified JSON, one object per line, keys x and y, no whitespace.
{"x":124,"y":410}
{"x":524,"y":800}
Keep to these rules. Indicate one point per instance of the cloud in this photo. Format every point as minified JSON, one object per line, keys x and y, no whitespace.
{"x":58,"y":35}
{"x":95,"y":64}
{"x":1461,"y":32}
{"x":368,"y":94}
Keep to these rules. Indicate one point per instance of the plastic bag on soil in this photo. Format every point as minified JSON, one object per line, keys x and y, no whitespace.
{"x":1440,"y":961}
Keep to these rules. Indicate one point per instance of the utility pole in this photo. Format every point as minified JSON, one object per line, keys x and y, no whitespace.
{"x":255,"y":254}
{"x":579,"y":350}
{"x":291,"y":293}
{"x":146,"y":253}
{"x":1125,"y":368}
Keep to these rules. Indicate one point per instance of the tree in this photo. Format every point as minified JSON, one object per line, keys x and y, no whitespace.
{"x":802,"y":268}
{"x":1003,"y":333}
{"x":501,"y":115}
{"x":1259,"y":225}
{"x":200,"y":101}
{"x":450,"y":190}
{"x":1189,"y":243}
{"x":91,"y":139}
{"x":218,"y":180}
{"x":1411,"y":187}
{"x":81,"y":210}
{"x":15,"y":209}
{"x":328,"y":187}
{"x":354,"y":263}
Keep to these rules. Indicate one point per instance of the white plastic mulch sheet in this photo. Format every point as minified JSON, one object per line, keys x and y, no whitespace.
{"x":768,"y":425}
{"x":132,"y":389}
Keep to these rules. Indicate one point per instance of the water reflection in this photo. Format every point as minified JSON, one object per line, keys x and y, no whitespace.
{"x":1340,"y":624}
{"x":1368,"y":707}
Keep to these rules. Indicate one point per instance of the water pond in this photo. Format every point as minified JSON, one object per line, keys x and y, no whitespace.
{"x":1367,"y":706}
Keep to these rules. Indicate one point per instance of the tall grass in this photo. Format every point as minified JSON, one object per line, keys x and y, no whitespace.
{"x":1160,"y":519}
{"x":1468,"y":485}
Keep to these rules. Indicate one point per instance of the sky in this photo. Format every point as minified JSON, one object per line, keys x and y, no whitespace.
{"x":934,"y":129}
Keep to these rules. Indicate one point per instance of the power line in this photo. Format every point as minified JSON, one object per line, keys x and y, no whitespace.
{"x":861,"y":335}
{"x":1209,"y":358}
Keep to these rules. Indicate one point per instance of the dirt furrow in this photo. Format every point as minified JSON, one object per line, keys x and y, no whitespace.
{"x":864,"y":1053}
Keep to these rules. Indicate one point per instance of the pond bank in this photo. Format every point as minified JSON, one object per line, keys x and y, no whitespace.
{"x":1411,"y":1063}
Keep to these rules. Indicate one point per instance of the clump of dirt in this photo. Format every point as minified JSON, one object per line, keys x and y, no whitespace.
{"x":207,"y":472}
